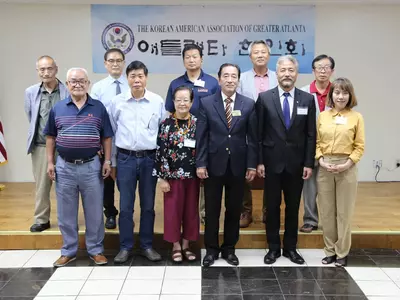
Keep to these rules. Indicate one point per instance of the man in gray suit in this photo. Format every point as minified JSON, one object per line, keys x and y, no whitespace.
{"x":39,"y":99}
{"x":253,"y":82}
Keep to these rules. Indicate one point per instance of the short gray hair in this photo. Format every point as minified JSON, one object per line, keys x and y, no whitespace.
{"x":290,"y":58}
{"x":77,"y":69}
{"x":257,"y":42}
{"x":47,"y":57}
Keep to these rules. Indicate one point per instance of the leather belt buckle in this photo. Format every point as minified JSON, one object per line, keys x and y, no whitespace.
{"x":140,"y":154}
{"x":78,"y":161}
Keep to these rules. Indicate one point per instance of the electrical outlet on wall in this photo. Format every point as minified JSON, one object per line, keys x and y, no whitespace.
{"x":377,"y":163}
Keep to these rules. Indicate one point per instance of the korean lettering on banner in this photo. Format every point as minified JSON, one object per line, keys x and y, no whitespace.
{"x":173,"y":47}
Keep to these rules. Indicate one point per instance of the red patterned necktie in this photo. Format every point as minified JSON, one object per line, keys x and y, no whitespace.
{"x":228,"y":111}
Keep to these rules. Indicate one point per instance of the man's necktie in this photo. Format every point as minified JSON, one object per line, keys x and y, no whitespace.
{"x":228,"y":111}
{"x":118,"y":88}
{"x":286,"y":110}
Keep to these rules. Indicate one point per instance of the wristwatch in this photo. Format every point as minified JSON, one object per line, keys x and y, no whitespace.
{"x":107,"y":162}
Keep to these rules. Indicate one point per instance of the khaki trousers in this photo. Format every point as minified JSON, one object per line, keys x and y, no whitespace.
{"x":336,"y":200}
{"x":43,"y":185}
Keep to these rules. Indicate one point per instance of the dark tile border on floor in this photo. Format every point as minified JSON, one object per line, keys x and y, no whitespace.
{"x":253,"y":283}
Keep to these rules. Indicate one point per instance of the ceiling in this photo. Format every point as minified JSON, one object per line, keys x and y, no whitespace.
{"x":207,"y":2}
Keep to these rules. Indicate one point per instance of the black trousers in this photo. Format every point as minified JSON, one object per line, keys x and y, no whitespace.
{"x":234,"y":190}
{"x":291,"y":185}
{"x":109,"y":195}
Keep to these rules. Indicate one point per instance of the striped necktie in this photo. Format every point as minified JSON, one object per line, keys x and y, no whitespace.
{"x":228,"y":111}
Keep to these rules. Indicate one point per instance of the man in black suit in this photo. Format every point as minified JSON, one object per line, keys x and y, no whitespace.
{"x":287,"y":137}
{"x":226,"y":141}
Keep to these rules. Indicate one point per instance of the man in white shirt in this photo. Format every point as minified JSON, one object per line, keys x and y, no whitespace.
{"x":135,"y":117}
{"x":105,"y":90}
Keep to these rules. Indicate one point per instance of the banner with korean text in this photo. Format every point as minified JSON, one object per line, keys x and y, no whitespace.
{"x":156,"y":35}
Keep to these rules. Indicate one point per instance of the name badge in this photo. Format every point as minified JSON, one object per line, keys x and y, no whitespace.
{"x":202,"y":90}
{"x":303,"y":111}
{"x":236,"y":113}
{"x":199,"y":83}
{"x":341,"y":120}
{"x":189,"y":143}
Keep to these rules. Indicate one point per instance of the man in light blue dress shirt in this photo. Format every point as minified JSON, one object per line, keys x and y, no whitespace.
{"x":105,"y":90}
{"x":135,"y":117}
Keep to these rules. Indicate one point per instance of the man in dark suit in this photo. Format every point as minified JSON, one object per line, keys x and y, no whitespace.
{"x":226,"y":141}
{"x":287,"y":137}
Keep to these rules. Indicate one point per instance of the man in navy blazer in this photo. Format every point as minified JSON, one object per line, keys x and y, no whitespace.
{"x":226,"y":157}
{"x":287,"y":137}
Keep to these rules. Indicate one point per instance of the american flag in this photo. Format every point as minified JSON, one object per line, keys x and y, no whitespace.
{"x":3,"y":151}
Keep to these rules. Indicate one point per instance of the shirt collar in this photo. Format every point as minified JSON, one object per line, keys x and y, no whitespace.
{"x":56,"y":89}
{"x":187,"y":77}
{"x":281,"y":91}
{"x":128,"y":95}
{"x":335,"y":113}
{"x":121,"y":79}
{"x":233,"y":97}
{"x":89,"y":100}
{"x":256,"y":75}
{"x":313,"y":88}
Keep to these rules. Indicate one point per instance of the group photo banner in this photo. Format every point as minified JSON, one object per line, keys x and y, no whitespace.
{"x":156,"y":35}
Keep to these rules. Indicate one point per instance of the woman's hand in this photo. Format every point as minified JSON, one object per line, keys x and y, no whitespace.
{"x":329,"y":167}
{"x":164,"y":185}
{"x":343,"y":167}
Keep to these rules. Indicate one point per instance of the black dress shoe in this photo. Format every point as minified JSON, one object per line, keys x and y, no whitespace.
{"x":209,"y":260}
{"x":272,"y":256}
{"x":231,"y":259}
{"x":151,"y":254}
{"x":111,"y":222}
{"x":122,"y":256}
{"x":293,"y":256}
{"x":40,"y":227}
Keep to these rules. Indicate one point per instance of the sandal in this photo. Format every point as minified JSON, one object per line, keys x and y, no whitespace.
{"x":341,"y":262}
{"x":328,"y":260}
{"x":177,"y":256}
{"x":189,"y":255}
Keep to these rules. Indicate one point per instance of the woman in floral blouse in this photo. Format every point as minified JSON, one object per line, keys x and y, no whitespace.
{"x":176,"y":169}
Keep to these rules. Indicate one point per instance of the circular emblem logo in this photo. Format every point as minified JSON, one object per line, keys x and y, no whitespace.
{"x":118,"y":35}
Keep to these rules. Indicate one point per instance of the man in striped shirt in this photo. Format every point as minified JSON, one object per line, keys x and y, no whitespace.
{"x":77,"y":128}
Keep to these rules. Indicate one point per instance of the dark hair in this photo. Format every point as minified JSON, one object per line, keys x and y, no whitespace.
{"x":136,"y":65}
{"x":345,"y":85}
{"x":111,"y":50}
{"x":191,"y":47}
{"x":228,"y":65}
{"x":321,"y":57}
{"x":184,"y":88}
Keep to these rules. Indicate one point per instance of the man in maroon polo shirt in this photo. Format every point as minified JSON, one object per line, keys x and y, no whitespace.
{"x":323,"y":68}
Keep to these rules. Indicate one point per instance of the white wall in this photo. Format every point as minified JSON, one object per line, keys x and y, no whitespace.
{"x":362,"y":39}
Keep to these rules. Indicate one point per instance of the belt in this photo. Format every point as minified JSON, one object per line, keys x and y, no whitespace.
{"x":78,"y":161}
{"x":142,"y":153}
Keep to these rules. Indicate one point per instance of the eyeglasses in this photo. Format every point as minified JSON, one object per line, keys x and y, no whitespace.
{"x":76,"y":82}
{"x":324,"y":68}
{"x":113,"y":61}
{"x":182,"y":100}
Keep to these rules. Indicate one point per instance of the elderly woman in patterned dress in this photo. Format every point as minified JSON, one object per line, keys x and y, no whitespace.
{"x":176,"y":169}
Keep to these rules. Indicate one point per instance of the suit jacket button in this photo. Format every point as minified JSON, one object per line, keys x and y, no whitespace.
{"x":229,"y":136}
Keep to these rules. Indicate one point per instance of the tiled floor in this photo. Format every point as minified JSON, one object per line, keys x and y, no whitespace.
{"x":372,"y":274}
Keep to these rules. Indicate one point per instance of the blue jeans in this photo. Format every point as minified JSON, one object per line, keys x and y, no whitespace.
{"x":87,"y":180}
{"x":130,"y":170}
